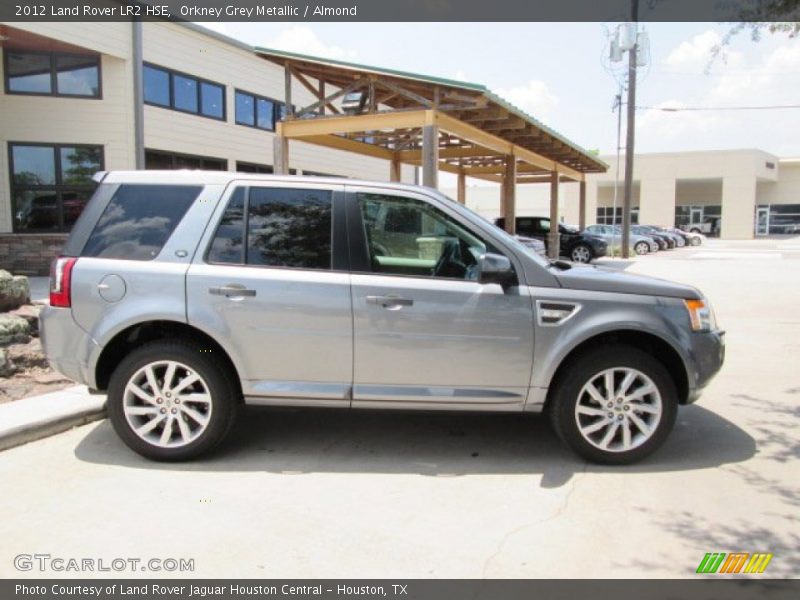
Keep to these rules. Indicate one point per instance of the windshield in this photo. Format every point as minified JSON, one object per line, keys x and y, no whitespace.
{"x":478,"y":220}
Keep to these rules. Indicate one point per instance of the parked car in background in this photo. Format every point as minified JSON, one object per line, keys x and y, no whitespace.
{"x":691,"y":239}
{"x":612,"y":234}
{"x":664,"y":241}
{"x":536,"y":245}
{"x":184,"y":294}
{"x":680,"y":241}
{"x":709,"y":226}
{"x":578,"y":247}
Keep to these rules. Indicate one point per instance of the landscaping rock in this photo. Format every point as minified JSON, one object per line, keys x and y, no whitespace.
{"x":6,"y":366}
{"x":13,"y":330}
{"x":14,"y":291}
{"x":28,"y":356}
{"x":29,"y":312}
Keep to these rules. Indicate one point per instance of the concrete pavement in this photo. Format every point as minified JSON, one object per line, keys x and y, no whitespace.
{"x":341,"y":494}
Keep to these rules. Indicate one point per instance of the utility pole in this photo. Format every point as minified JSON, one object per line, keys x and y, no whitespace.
{"x":628,"y":199}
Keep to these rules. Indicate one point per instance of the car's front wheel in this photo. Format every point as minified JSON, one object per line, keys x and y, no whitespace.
{"x":641,"y":248}
{"x":581,"y":254}
{"x":171,"y":401}
{"x":696,"y":241}
{"x":615,"y":405}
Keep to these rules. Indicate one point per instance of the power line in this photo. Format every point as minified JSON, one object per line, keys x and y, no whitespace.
{"x":704,"y":108}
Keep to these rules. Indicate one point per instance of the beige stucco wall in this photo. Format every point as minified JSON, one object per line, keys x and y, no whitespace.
{"x":786,"y":190}
{"x":107,"y":121}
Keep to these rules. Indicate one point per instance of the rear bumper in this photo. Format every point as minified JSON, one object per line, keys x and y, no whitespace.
{"x":66,"y":346}
{"x":707,"y":357}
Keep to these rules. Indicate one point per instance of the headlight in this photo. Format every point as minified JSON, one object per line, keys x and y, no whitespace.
{"x":701,"y":315}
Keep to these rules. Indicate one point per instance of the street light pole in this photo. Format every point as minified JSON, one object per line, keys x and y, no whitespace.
{"x":628,"y":199}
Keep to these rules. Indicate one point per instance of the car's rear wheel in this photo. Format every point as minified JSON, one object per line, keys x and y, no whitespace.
{"x":615,"y":405}
{"x":641,"y":248}
{"x":169,"y":401}
{"x":581,"y":254}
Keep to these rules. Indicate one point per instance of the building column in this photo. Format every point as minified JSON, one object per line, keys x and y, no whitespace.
{"x":582,"y":205}
{"x":738,"y":208}
{"x":461,"y":188}
{"x":509,"y":192}
{"x":553,"y":240}
{"x":657,"y":202}
{"x":430,"y":155}
{"x":394,"y":170}
{"x":280,"y":155}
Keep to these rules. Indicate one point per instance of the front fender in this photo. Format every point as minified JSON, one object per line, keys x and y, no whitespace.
{"x":601,"y":313}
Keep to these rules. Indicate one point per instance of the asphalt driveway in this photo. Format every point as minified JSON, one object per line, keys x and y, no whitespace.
{"x":340,"y":494}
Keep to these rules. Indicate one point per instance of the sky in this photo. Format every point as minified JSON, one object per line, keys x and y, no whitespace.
{"x":559,"y":73}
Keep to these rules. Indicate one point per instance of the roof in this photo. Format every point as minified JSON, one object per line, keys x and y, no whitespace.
{"x":540,"y":138}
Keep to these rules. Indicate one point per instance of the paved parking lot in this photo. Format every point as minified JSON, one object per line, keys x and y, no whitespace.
{"x":339,"y":494}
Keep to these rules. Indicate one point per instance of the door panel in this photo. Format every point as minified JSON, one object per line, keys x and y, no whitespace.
{"x":435,"y":337}
{"x":452,"y":342}
{"x":288,"y":330}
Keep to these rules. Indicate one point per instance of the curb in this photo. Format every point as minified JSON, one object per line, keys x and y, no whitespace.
{"x":38,"y":417}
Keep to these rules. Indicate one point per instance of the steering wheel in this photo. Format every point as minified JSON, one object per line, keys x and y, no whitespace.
{"x":450,"y":263}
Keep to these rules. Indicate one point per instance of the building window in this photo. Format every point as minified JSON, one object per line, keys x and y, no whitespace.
{"x":257,"y":111}
{"x":246,"y":167}
{"x":51,"y":183}
{"x":52,"y":74}
{"x":170,"y":161}
{"x":184,"y":93}
{"x":784,"y":218}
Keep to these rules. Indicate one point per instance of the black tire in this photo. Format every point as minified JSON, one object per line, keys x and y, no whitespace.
{"x":224,"y":393}
{"x":696,"y":241}
{"x":695,"y":230}
{"x":565,"y":396}
{"x":641,"y":248}
{"x":581,"y":253}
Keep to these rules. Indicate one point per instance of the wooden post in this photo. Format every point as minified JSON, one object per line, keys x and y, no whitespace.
{"x":430,"y":155}
{"x":394,"y":170}
{"x":553,"y":242}
{"x":461,"y":192}
{"x":510,"y":195}
{"x":321,"y":92}
{"x":281,"y":155}
{"x":582,"y":206}
{"x":287,"y":82}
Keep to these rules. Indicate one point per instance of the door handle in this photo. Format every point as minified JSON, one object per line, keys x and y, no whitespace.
{"x":231,"y":291}
{"x":389,"y":301}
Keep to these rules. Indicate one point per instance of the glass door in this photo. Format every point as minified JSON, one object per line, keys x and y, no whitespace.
{"x":762,"y":220}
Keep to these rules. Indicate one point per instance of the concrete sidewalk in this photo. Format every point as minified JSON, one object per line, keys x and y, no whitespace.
{"x":37,"y":417}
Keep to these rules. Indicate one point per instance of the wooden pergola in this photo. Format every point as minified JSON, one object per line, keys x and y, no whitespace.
{"x":437,"y":124}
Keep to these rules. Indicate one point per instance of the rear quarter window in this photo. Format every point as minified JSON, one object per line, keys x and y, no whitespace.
{"x":138,"y":221}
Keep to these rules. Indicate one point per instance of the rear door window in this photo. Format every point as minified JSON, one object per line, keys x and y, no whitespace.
{"x":275,"y":227}
{"x":138,"y":221}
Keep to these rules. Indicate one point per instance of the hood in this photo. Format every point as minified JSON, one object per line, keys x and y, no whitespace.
{"x":601,"y":279}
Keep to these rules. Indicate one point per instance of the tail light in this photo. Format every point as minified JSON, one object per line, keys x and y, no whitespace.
{"x":61,"y":281}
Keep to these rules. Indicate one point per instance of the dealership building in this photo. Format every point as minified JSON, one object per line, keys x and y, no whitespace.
{"x":733,"y":194}
{"x":68,"y":108}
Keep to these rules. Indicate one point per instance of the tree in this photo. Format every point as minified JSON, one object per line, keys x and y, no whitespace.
{"x":767,"y":16}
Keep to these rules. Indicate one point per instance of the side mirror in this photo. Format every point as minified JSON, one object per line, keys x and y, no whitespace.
{"x":494,"y":268}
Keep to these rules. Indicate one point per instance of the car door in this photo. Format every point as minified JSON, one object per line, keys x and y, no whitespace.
{"x":425,"y":332}
{"x":273,"y":288}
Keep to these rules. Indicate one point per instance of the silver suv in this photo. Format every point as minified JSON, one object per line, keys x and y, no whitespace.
{"x":185,"y":294}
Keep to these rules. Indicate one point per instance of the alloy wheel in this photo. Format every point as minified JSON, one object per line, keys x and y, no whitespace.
{"x":581,"y":254}
{"x":167,"y":404}
{"x":618,"y":409}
